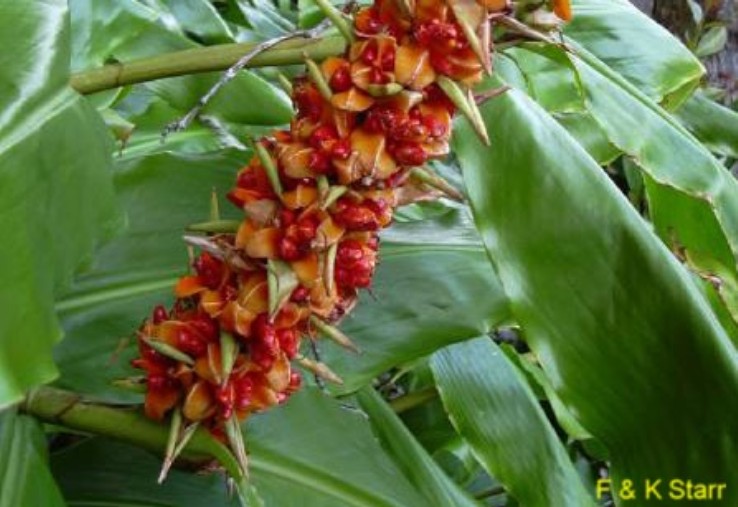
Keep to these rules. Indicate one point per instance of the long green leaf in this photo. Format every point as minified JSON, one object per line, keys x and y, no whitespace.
{"x":629,"y":343}
{"x":636,"y":47}
{"x":492,"y":406}
{"x":410,"y":456}
{"x":24,"y":476}
{"x":714,"y":125}
{"x":313,"y":452}
{"x":56,"y":195}
{"x":520,"y":68}
{"x":200,"y":18}
{"x":693,"y":198}
{"x":104,"y":472}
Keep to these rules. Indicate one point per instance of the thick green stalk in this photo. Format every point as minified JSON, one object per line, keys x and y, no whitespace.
{"x":127,"y":424}
{"x":205,"y":59}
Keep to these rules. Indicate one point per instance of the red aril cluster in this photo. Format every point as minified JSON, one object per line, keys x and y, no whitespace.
{"x":314,"y":197}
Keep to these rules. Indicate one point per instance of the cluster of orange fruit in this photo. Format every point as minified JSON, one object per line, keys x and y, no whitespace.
{"x":315,"y":197}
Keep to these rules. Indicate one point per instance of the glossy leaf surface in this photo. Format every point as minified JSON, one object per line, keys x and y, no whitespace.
{"x":410,"y":456}
{"x":636,"y":47}
{"x":56,"y":195}
{"x":24,"y":476}
{"x":493,"y":408}
{"x":612,"y":316}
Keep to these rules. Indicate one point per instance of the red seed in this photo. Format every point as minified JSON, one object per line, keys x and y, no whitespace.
{"x":289,"y":250}
{"x":189,"y":342}
{"x":264,"y":333}
{"x":340,"y":81}
{"x":436,"y":128}
{"x":411,"y":154}
{"x":206,"y":327}
{"x":159,"y":314}
{"x":286,"y":217}
{"x":441,"y":63}
{"x":306,"y":229}
{"x":434,"y":95}
{"x":300,"y":294}
{"x":247,"y":179}
{"x":262,"y":356}
{"x":388,"y":61}
{"x":243,"y":388}
{"x":349,"y":251}
{"x":341,"y":149}
{"x":370,"y":53}
{"x":322,"y":135}
{"x":378,"y":77}
{"x":319,"y":162}
{"x":154,"y":359}
{"x":356,"y":217}
{"x":410,"y":130}
{"x":159,"y":383}
{"x":295,"y":381}
{"x":382,"y":119}
{"x":226,"y":396}
{"x":209,"y":269}
{"x":367,"y":21}
{"x":288,"y":340}
{"x":373,"y":243}
{"x":343,"y":277}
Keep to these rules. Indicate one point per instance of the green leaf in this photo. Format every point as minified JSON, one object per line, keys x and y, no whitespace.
{"x":712,"y":41}
{"x":544,"y":80}
{"x":426,"y":295}
{"x":131,"y":33}
{"x":714,"y":125}
{"x":538,"y":381}
{"x":558,"y":91}
{"x":24,"y":476}
{"x":590,"y":135}
{"x":693,"y":198}
{"x":614,"y":319}
{"x":201,"y":19}
{"x":315,"y":452}
{"x":433,"y":284}
{"x":123,"y":20}
{"x":636,"y":47}
{"x":102,"y":472}
{"x":150,"y":114}
{"x":492,"y":406}
{"x":417,"y":465}
{"x":54,"y":155}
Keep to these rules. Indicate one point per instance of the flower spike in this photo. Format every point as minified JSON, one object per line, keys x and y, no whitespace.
{"x":314,"y":199}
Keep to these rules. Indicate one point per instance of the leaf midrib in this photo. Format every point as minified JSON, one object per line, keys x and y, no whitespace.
{"x":312,"y":478}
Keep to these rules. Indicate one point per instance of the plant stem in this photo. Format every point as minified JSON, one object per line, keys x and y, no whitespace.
{"x":493,"y":491}
{"x":126,"y":424}
{"x":414,"y":399}
{"x":205,"y":59}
